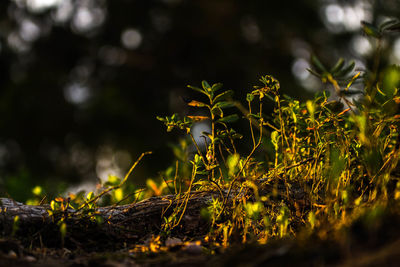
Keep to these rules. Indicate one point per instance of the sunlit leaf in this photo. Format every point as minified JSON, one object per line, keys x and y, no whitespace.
{"x":250,"y":97}
{"x":223,"y":96}
{"x":112,"y":180}
{"x":275,"y":139}
{"x":391,"y":80}
{"x":311,"y":219}
{"x":197,"y":89}
{"x":195,"y":103}
{"x":15,"y":225}
{"x":206,"y":86}
{"x":232,"y":163}
{"x":63,"y":230}
{"x":118,"y":194}
{"x":54,"y":205}
{"x":59,"y":199}
{"x":90,"y":195}
{"x":254,"y":210}
{"x":153,"y":186}
{"x":198,"y":118}
{"x":355,"y":77}
{"x":217,"y":111}
{"x":37,"y":190}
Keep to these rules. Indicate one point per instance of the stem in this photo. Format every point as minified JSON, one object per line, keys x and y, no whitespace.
{"x":212,"y":161}
{"x":119,"y":185}
{"x":198,"y":149}
{"x":251,"y":127}
{"x":245,"y":112}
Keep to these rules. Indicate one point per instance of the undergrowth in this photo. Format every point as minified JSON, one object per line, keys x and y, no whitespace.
{"x":313,"y":167}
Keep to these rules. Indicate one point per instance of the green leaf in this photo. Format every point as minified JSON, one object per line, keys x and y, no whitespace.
{"x":275,"y":139}
{"x":391,"y":25}
{"x":311,"y":218}
{"x":347,"y":70}
{"x":197,"y":89}
{"x":90,"y":196}
{"x":314,"y":73}
{"x":355,"y":77}
{"x":393,"y":28}
{"x":63,"y":230}
{"x":229,"y":119}
{"x":391,"y":80}
{"x":217,"y":111}
{"x":232,"y":163}
{"x":370,"y":30}
{"x":37,"y":190}
{"x":206,"y":86}
{"x":317,"y":63}
{"x":255,"y":116}
{"x":338,"y":66}
{"x":224,"y":104}
{"x":112,"y":181}
{"x":223,"y":96}
{"x":160,"y":118}
{"x":216,"y":86}
{"x":270,"y":83}
{"x":207,"y":134}
{"x":351,"y":92}
{"x":249,"y":97}
{"x":53,"y":205}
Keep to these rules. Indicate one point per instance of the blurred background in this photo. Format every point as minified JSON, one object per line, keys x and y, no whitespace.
{"x":81,"y":81}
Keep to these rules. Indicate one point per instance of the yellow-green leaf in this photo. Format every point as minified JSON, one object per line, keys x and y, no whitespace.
{"x":223,"y":96}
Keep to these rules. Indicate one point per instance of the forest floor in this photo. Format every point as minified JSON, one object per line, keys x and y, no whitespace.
{"x":378,"y":248}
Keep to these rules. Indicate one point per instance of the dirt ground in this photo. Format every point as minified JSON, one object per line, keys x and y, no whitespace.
{"x":279,"y":253}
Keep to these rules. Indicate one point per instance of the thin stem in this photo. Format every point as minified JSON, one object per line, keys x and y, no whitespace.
{"x":119,"y":185}
{"x":251,"y":126}
{"x":198,"y":149}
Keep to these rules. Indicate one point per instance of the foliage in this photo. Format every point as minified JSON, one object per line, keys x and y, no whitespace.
{"x":333,"y":159}
{"x":339,"y":152}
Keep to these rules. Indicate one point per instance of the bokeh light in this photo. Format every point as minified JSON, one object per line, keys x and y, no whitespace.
{"x":76,"y":93}
{"x":361,"y":45}
{"x":339,"y":16}
{"x":131,"y":38}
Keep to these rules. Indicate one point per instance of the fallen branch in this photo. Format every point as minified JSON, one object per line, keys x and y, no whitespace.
{"x":119,"y":224}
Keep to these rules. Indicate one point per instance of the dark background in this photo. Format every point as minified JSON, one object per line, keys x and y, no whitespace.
{"x":81,"y":82}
